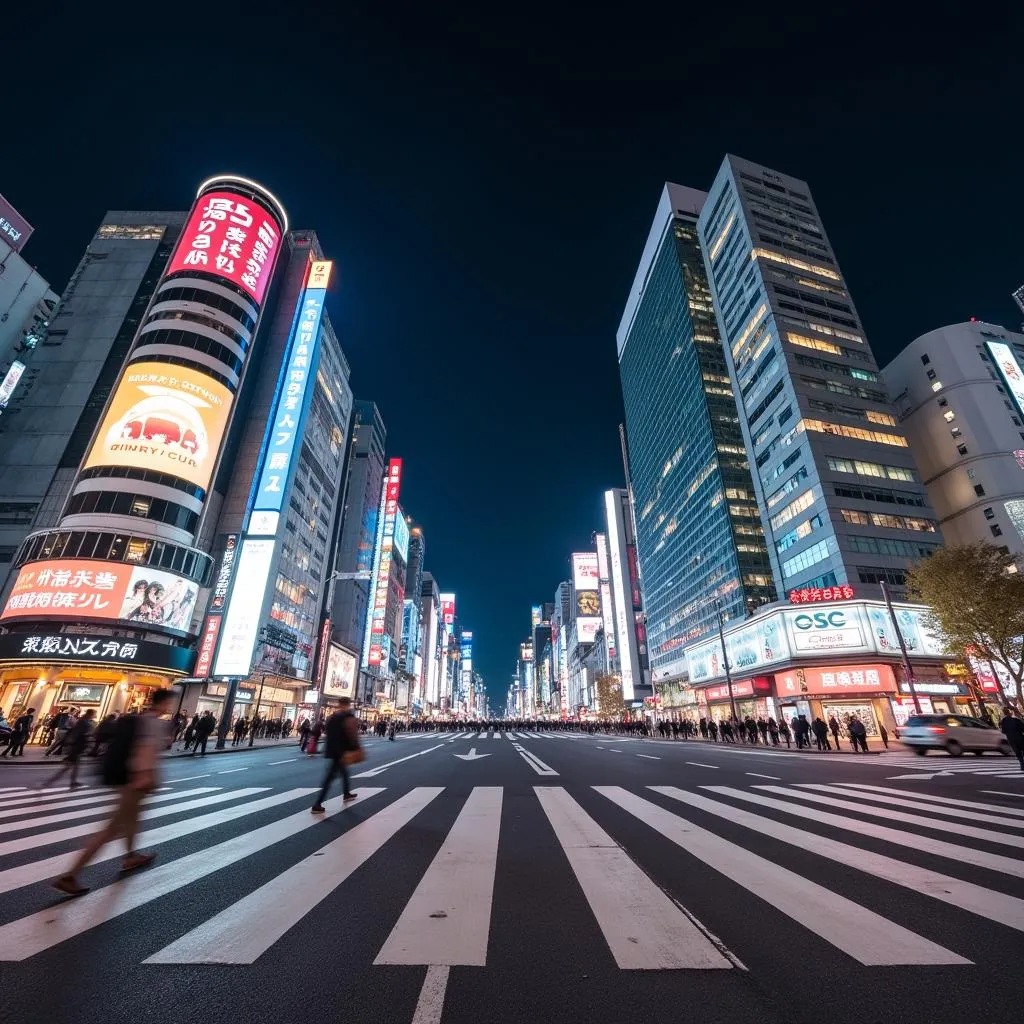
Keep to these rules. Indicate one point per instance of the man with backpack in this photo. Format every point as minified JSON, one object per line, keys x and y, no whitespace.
{"x":341,"y":749}
{"x":131,"y":765}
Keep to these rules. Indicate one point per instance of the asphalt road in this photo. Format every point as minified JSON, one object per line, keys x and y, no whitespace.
{"x":558,"y":878}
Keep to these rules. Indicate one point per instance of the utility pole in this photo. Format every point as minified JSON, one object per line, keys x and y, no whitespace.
{"x":907,"y":670}
{"x":256,"y":713}
{"x":725,"y":658}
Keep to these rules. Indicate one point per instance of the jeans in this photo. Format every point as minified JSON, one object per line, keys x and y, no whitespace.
{"x":334,"y":768}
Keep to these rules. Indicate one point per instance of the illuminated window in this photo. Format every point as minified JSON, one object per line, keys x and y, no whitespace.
{"x":789,"y":261}
{"x":936,"y":385}
{"x":793,"y":509}
{"x":815,"y":343}
{"x":815,"y":553}
{"x":857,"y":433}
{"x":949,"y":415}
{"x":855,"y":517}
{"x":151,"y":232}
{"x":880,"y":417}
{"x":723,"y":235}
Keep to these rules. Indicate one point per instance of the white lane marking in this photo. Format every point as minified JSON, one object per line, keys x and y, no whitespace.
{"x":644,"y":929}
{"x":999,"y":792}
{"x":448,"y":917}
{"x":384,"y":767}
{"x":612,"y":750}
{"x":90,"y":812}
{"x":287,"y":760}
{"x":49,"y":800}
{"x":534,"y":761}
{"x":924,"y":844}
{"x":650,"y":757}
{"x":189,"y":778}
{"x":868,"y":937}
{"x":1013,"y":812}
{"x":229,"y":771}
{"x":430,"y":1004}
{"x":40,"y":870}
{"x":932,"y":805}
{"x":987,"y":834}
{"x":56,"y":924}
{"x":976,"y":899}
{"x":244,"y":931}
{"x":697,"y":764}
{"x":758,"y":775}
{"x":77,"y":831}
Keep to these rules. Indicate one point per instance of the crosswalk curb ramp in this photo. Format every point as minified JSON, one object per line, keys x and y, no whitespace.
{"x":958,"y":852}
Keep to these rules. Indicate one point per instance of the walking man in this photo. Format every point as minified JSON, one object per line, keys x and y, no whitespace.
{"x":19,"y":737}
{"x":342,"y":739}
{"x":75,"y":743}
{"x":1013,"y":730}
{"x":131,"y":764}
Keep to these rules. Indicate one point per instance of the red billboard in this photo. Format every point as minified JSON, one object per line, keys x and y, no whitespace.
{"x":230,"y":236}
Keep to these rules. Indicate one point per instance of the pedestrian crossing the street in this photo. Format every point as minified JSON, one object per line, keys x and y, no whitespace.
{"x":610,"y":844}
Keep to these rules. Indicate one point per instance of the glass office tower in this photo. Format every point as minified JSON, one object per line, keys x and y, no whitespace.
{"x":698,"y":531}
{"x":838,"y":491}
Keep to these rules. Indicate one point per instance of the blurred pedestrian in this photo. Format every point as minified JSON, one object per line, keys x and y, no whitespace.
{"x":1013,"y":729}
{"x":884,"y":733}
{"x":75,"y":745}
{"x":341,"y":748}
{"x":131,"y":765}
{"x":20,"y":734}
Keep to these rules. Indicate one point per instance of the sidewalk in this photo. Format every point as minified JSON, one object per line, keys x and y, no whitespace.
{"x":35,"y":753}
{"x":894,"y":746}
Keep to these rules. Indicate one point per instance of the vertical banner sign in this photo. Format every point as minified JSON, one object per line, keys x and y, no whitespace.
{"x":607,"y":608}
{"x":10,"y":382}
{"x":292,"y":399}
{"x":215,"y":613}
{"x":623,"y":620}
{"x":373,"y":648}
{"x":467,"y":663}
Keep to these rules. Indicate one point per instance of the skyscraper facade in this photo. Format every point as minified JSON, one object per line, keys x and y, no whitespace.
{"x":834,"y":480}
{"x":698,"y":530}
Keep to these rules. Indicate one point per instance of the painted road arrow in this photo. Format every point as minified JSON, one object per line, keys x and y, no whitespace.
{"x":471,"y":756}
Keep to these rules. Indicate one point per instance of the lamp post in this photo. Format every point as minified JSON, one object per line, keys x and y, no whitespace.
{"x":725,"y":659}
{"x":907,"y":670}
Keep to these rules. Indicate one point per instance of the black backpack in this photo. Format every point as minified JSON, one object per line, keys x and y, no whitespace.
{"x":119,"y":751}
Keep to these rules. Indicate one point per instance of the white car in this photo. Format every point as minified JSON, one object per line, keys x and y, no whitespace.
{"x":952,"y":733}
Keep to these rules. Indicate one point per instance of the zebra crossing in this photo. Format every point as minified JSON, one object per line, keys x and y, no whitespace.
{"x":492,"y":734}
{"x":608,"y":843}
{"x":996,"y":766}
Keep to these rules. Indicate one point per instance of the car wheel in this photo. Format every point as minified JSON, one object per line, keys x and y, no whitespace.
{"x":1004,"y":748}
{"x":954,"y":749}
{"x":920,"y":751}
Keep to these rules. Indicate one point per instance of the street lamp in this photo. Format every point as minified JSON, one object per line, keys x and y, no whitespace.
{"x":725,"y":658}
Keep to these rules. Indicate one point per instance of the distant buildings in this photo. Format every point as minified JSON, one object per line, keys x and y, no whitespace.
{"x":959,"y":394}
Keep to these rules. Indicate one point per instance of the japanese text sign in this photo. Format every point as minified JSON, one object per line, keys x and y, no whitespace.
{"x":809,"y":595}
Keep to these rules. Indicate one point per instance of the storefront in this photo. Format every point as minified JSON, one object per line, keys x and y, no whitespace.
{"x":46,"y":671}
{"x":273,"y":701}
{"x":753,"y":699}
{"x":842,"y":692}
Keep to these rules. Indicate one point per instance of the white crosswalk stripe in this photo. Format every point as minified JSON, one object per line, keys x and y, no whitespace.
{"x":626,"y":891}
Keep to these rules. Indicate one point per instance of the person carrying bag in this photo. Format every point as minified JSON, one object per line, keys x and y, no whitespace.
{"x":341,"y":749}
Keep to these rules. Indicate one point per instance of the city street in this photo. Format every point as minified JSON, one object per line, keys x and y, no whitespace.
{"x":528,"y":877}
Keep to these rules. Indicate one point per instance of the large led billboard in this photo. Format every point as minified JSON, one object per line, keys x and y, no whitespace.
{"x":448,"y":612}
{"x":1009,"y":370}
{"x":163,"y":417}
{"x":242,"y":620}
{"x":115,"y":591}
{"x":373,"y":646}
{"x":584,"y":570}
{"x":340,"y":680}
{"x":10,"y":382}
{"x":232,"y":237}
{"x":402,"y":537}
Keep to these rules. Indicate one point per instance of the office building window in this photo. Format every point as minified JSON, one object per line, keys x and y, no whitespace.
{"x":979,"y":490}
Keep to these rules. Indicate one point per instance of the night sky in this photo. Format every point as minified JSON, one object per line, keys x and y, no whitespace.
{"x":486,"y":181}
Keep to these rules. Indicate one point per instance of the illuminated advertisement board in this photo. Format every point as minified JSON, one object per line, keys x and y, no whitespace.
{"x":448,"y":612}
{"x":340,"y":680}
{"x":116,"y":591}
{"x":14,"y":229}
{"x":291,"y":402}
{"x":1009,"y":370}
{"x":584,"y":570}
{"x":607,"y":617}
{"x":242,"y":619}
{"x":467,"y":660}
{"x":232,"y":237}
{"x":623,"y":620}
{"x":535,"y":616}
{"x":215,"y":611}
{"x":402,"y":537}
{"x":10,"y":382}
{"x":373,"y":648}
{"x":166,"y":418}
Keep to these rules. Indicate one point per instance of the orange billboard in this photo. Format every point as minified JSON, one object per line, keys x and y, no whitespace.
{"x":164,"y":417}
{"x":75,"y":589}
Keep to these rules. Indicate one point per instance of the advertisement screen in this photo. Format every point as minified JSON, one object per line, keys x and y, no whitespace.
{"x":163,"y":417}
{"x":588,"y":604}
{"x":85,"y":589}
{"x":586,"y":629}
{"x":585,"y":570}
{"x":1009,"y":370}
{"x":10,"y":382}
{"x":402,"y":537}
{"x":231,"y":237}
{"x":14,"y":229}
{"x":340,"y":680}
{"x":242,"y":618}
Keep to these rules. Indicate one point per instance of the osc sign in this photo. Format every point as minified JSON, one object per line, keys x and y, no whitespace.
{"x":836,"y":629}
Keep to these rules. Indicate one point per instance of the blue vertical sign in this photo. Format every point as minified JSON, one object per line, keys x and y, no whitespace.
{"x":291,"y":405}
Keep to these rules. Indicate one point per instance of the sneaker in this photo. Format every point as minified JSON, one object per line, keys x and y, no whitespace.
{"x":68,"y":885}
{"x":317,"y":809}
{"x":350,"y":796}
{"x":137,"y":860}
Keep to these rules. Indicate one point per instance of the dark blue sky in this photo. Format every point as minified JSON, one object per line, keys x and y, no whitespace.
{"x":486,"y":181}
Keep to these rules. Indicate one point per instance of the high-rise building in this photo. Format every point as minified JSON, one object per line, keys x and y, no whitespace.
{"x":959,"y":394}
{"x":431,"y":632}
{"x":699,"y":536}
{"x":366,"y":467}
{"x":411,"y":645}
{"x":830,"y":464}
{"x":114,"y":594}
{"x":53,"y":412}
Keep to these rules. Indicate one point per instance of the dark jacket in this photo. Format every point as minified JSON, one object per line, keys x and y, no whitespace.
{"x":341,"y":735}
{"x":1013,"y":730}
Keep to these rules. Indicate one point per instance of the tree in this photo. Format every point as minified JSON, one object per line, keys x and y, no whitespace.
{"x":976,"y":596}
{"x":609,"y":696}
